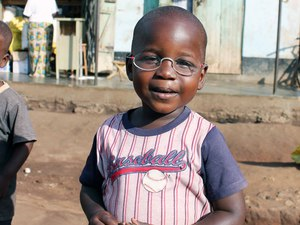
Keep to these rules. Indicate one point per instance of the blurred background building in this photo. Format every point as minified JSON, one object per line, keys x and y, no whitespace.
{"x":242,"y":34}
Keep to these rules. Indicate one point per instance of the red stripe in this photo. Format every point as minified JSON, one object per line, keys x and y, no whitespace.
{"x":145,"y":169}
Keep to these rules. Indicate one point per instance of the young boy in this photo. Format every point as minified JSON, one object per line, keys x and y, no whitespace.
{"x":16,"y":135}
{"x":162,"y":163}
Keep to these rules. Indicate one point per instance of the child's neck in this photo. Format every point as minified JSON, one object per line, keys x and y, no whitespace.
{"x":149,"y":119}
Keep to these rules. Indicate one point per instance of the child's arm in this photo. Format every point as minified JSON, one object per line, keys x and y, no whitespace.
{"x":92,"y":205}
{"x":223,"y":182}
{"x":19,"y":156}
{"x":230,"y":210}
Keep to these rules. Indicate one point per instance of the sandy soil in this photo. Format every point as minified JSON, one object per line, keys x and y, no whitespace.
{"x":49,"y":194}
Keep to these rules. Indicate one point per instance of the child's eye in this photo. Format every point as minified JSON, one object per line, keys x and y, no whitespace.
{"x":184,"y":63}
{"x":149,"y":59}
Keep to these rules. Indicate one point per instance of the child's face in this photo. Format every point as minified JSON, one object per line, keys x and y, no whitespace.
{"x":4,"y":57}
{"x":164,"y":90}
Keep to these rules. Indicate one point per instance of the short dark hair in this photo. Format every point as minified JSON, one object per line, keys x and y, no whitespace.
{"x":169,"y":11}
{"x":6,"y":35}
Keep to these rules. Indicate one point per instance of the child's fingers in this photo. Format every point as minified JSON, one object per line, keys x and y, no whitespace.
{"x":134,"y":221}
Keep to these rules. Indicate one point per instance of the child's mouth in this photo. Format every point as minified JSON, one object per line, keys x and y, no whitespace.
{"x":163,"y":93}
{"x":163,"y":90}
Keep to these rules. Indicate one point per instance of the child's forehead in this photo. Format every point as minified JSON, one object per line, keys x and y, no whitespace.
{"x":164,"y":20}
{"x":166,"y":29}
{"x":169,"y":28}
{"x":171,"y":23}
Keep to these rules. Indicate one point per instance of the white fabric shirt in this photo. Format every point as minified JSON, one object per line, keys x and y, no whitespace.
{"x":40,"y":10}
{"x":179,"y":193}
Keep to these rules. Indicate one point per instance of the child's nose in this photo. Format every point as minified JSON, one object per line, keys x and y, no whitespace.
{"x":166,"y":70}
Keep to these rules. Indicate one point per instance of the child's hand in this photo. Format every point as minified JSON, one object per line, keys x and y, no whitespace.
{"x":136,"y":222}
{"x":103,"y":218}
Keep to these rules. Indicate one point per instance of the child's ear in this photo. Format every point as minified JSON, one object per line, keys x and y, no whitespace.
{"x":129,"y":65}
{"x":4,"y":60}
{"x":202,"y":78}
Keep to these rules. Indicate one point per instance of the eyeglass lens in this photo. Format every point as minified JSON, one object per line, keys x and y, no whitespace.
{"x":153,"y":62}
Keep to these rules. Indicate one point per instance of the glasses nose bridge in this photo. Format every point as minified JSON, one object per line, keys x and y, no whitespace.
{"x":167,"y":70}
{"x":168,"y":59}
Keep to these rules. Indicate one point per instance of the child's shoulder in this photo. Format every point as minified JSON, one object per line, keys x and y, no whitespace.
{"x":113,"y":120}
{"x":111,"y":123}
{"x":3,"y":86}
{"x":116,"y":117}
{"x":10,"y":95}
{"x":202,"y":119}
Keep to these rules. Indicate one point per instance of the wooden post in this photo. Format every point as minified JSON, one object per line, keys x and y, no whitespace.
{"x":277,"y":48}
{"x":97,"y":42}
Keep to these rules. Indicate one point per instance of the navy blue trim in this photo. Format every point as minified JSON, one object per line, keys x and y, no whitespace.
{"x":156,"y":131}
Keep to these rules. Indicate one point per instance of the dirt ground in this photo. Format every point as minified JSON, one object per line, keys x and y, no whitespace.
{"x":49,"y":194}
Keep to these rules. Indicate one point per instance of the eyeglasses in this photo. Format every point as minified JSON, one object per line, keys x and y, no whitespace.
{"x":150,"y":62}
